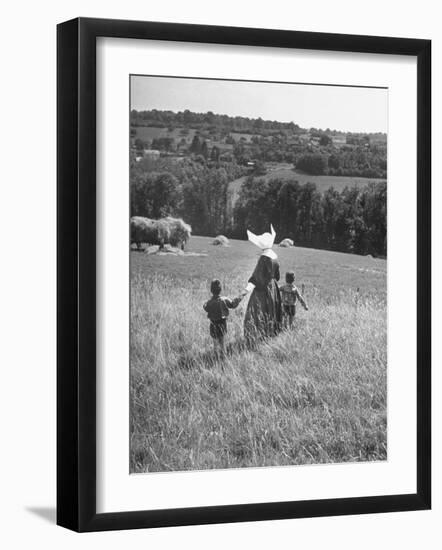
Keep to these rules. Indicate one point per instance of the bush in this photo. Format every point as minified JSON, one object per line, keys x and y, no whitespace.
{"x":314,"y":164}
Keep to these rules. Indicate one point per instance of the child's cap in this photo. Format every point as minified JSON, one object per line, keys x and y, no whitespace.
{"x":215,"y":286}
{"x":290,"y":276}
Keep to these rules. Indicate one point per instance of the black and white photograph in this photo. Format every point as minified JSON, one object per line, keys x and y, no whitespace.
{"x":258,"y":274}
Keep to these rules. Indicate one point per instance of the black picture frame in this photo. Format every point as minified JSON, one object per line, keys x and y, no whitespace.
{"x":77,"y":287}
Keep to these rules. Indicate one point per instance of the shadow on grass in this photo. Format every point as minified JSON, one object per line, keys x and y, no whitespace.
{"x":211,"y":358}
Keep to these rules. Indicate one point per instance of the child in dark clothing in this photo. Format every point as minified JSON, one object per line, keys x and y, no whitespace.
{"x":290,"y":294}
{"x":217,"y":309}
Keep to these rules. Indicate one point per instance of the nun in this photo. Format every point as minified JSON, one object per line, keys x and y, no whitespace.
{"x":264,"y":312}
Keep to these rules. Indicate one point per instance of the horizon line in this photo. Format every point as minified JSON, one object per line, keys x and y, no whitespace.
{"x":263,"y":119}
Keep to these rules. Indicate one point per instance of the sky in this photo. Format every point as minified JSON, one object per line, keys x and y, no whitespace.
{"x":350,"y":109}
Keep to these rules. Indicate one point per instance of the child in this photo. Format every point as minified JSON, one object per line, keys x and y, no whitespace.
{"x":289,"y":295}
{"x":217,"y":311}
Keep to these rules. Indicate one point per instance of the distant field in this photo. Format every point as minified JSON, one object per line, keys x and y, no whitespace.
{"x":322,"y":182}
{"x":238,"y":135}
{"x":285,"y":171}
{"x":316,"y":394}
{"x":149,"y":133}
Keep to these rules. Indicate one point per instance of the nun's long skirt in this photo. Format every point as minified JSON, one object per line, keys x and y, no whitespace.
{"x":263,"y":317}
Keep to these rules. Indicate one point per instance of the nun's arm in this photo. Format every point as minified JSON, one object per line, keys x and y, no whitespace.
{"x":255,"y":278}
{"x":250,"y":286}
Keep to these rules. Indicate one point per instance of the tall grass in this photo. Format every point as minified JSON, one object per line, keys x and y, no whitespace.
{"x":314,"y":394}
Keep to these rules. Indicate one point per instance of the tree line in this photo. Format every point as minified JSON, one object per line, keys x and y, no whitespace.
{"x":359,"y":162}
{"x":165,"y":119}
{"x":353,"y":220}
{"x":194,"y":189}
{"x":170,"y":119}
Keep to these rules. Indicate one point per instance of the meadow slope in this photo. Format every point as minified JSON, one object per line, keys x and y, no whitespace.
{"x":315,"y":394}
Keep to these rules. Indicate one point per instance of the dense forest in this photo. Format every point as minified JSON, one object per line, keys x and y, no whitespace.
{"x":197,"y":189}
{"x":353,"y":220}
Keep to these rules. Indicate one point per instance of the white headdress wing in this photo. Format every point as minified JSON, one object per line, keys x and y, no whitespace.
{"x":264,"y":241}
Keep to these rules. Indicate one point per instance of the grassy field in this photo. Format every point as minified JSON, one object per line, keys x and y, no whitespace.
{"x":314,"y":394}
{"x":322,"y":182}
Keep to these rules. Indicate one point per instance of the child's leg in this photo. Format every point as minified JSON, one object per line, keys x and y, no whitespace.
{"x":222,"y":345}
{"x":218,"y":343}
{"x":214,"y":333}
{"x":286,"y":320}
{"x":215,"y":344}
{"x":218,"y":332}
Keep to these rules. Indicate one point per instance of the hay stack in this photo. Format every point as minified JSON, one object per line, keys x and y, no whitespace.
{"x":286,"y":243}
{"x":221,"y":240}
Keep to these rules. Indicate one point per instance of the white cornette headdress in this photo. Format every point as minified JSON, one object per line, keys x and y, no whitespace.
{"x":264,"y":241}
